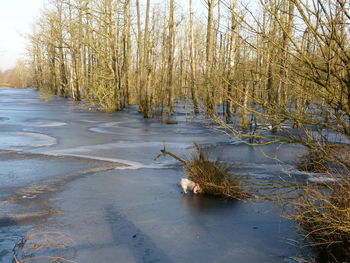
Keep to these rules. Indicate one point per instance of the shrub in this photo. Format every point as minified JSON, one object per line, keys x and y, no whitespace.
{"x":214,"y":177}
{"x":323,"y":211}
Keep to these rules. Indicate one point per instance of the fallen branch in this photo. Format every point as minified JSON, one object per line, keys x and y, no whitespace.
{"x":165,"y":152}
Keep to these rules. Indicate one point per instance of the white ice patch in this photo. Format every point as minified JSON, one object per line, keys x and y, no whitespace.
{"x":89,"y":152}
{"x":129,"y":165}
{"x":270,"y":127}
{"x":90,"y":121}
{"x":19,"y":100}
{"x":105,"y":128}
{"x":322,"y":180}
{"x":295,"y":260}
{"x":235,"y":142}
{"x":265,"y":170}
{"x":44,"y":124}
{"x":15,"y":140}
{"x":123,"y":144}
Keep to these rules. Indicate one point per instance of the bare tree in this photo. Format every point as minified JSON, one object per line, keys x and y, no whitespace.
{"x":171,"y":59}
{"x":127,"y":52}
{"x":233,"y":49}
{"x":209,"y":55}
{"x":193,"y":62}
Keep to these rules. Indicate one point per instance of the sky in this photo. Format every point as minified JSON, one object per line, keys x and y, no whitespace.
{"x":16,"y":20}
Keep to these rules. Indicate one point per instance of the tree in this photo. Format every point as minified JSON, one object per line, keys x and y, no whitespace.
{"x":193,"y":62}
{"x":209,"y":55}
{"x":171,"y":43}
{"x":233,"y":49}
{"x":127,"y":53}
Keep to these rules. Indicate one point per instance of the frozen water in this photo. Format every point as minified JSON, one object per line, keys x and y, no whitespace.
{"x":45,"y":123}
{"x":93,"y":176}
{"x":20,"y":140}
{"x":322,"y":179}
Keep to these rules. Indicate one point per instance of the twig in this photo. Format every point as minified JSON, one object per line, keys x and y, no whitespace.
{"x":165,"y":152}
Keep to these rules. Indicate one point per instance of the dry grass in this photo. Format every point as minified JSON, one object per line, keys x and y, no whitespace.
{"x":214,"y":177}
{"x":323,"y":211}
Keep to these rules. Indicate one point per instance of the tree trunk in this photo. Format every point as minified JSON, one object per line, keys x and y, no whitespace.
{"x":127,"y":52}
{"x":115,"y":104}
{"x":209,"y":56}
{"x":232,"y":59}
{"x":287,"y":31}
{"x":140,"y":69}
{"x":171,"y":59}
{"x":147,"y":110}
{"x":193,"y":64}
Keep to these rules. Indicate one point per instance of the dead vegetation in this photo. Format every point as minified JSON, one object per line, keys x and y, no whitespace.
{"x":214,"y":177}
{"x":322,"y":205}
{"x":323,"y":211}
{"x":36,"y":243}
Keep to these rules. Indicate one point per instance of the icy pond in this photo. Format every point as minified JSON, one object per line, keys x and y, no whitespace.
{"x":84,"y":186}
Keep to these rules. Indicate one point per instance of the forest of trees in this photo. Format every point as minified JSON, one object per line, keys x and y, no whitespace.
{"x":263,"y":61}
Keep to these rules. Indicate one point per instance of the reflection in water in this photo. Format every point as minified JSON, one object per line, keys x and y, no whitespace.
{"x":125,"y":233}
{"x":201,"y":204}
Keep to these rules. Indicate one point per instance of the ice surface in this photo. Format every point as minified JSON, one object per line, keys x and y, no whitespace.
{"x":135,"y":213}
{"x":18,"y":140}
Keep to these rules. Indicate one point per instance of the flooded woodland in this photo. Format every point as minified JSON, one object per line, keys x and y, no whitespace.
{"x":116,"y":101}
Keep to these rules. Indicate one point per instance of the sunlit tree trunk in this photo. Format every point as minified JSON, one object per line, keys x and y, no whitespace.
{"x":209,"y":55}
{"x":232,"y":59}
{"x":63,"y":87}
{"x":115,"y":104}
{"x":127,"y":52}
{"x":193,"y":63}
{"x":147,"y":110}
{"x":140,"y":69}
{"x":287,"y":27}
{"x":171,"y":40}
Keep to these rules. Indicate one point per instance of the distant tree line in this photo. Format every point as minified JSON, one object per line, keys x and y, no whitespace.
{"x":17,"y":76}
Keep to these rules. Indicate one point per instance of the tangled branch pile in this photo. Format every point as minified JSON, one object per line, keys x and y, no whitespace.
{"x":214,"y":177}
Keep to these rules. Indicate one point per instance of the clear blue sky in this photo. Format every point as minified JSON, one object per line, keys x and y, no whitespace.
{"x":16,"y":19}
